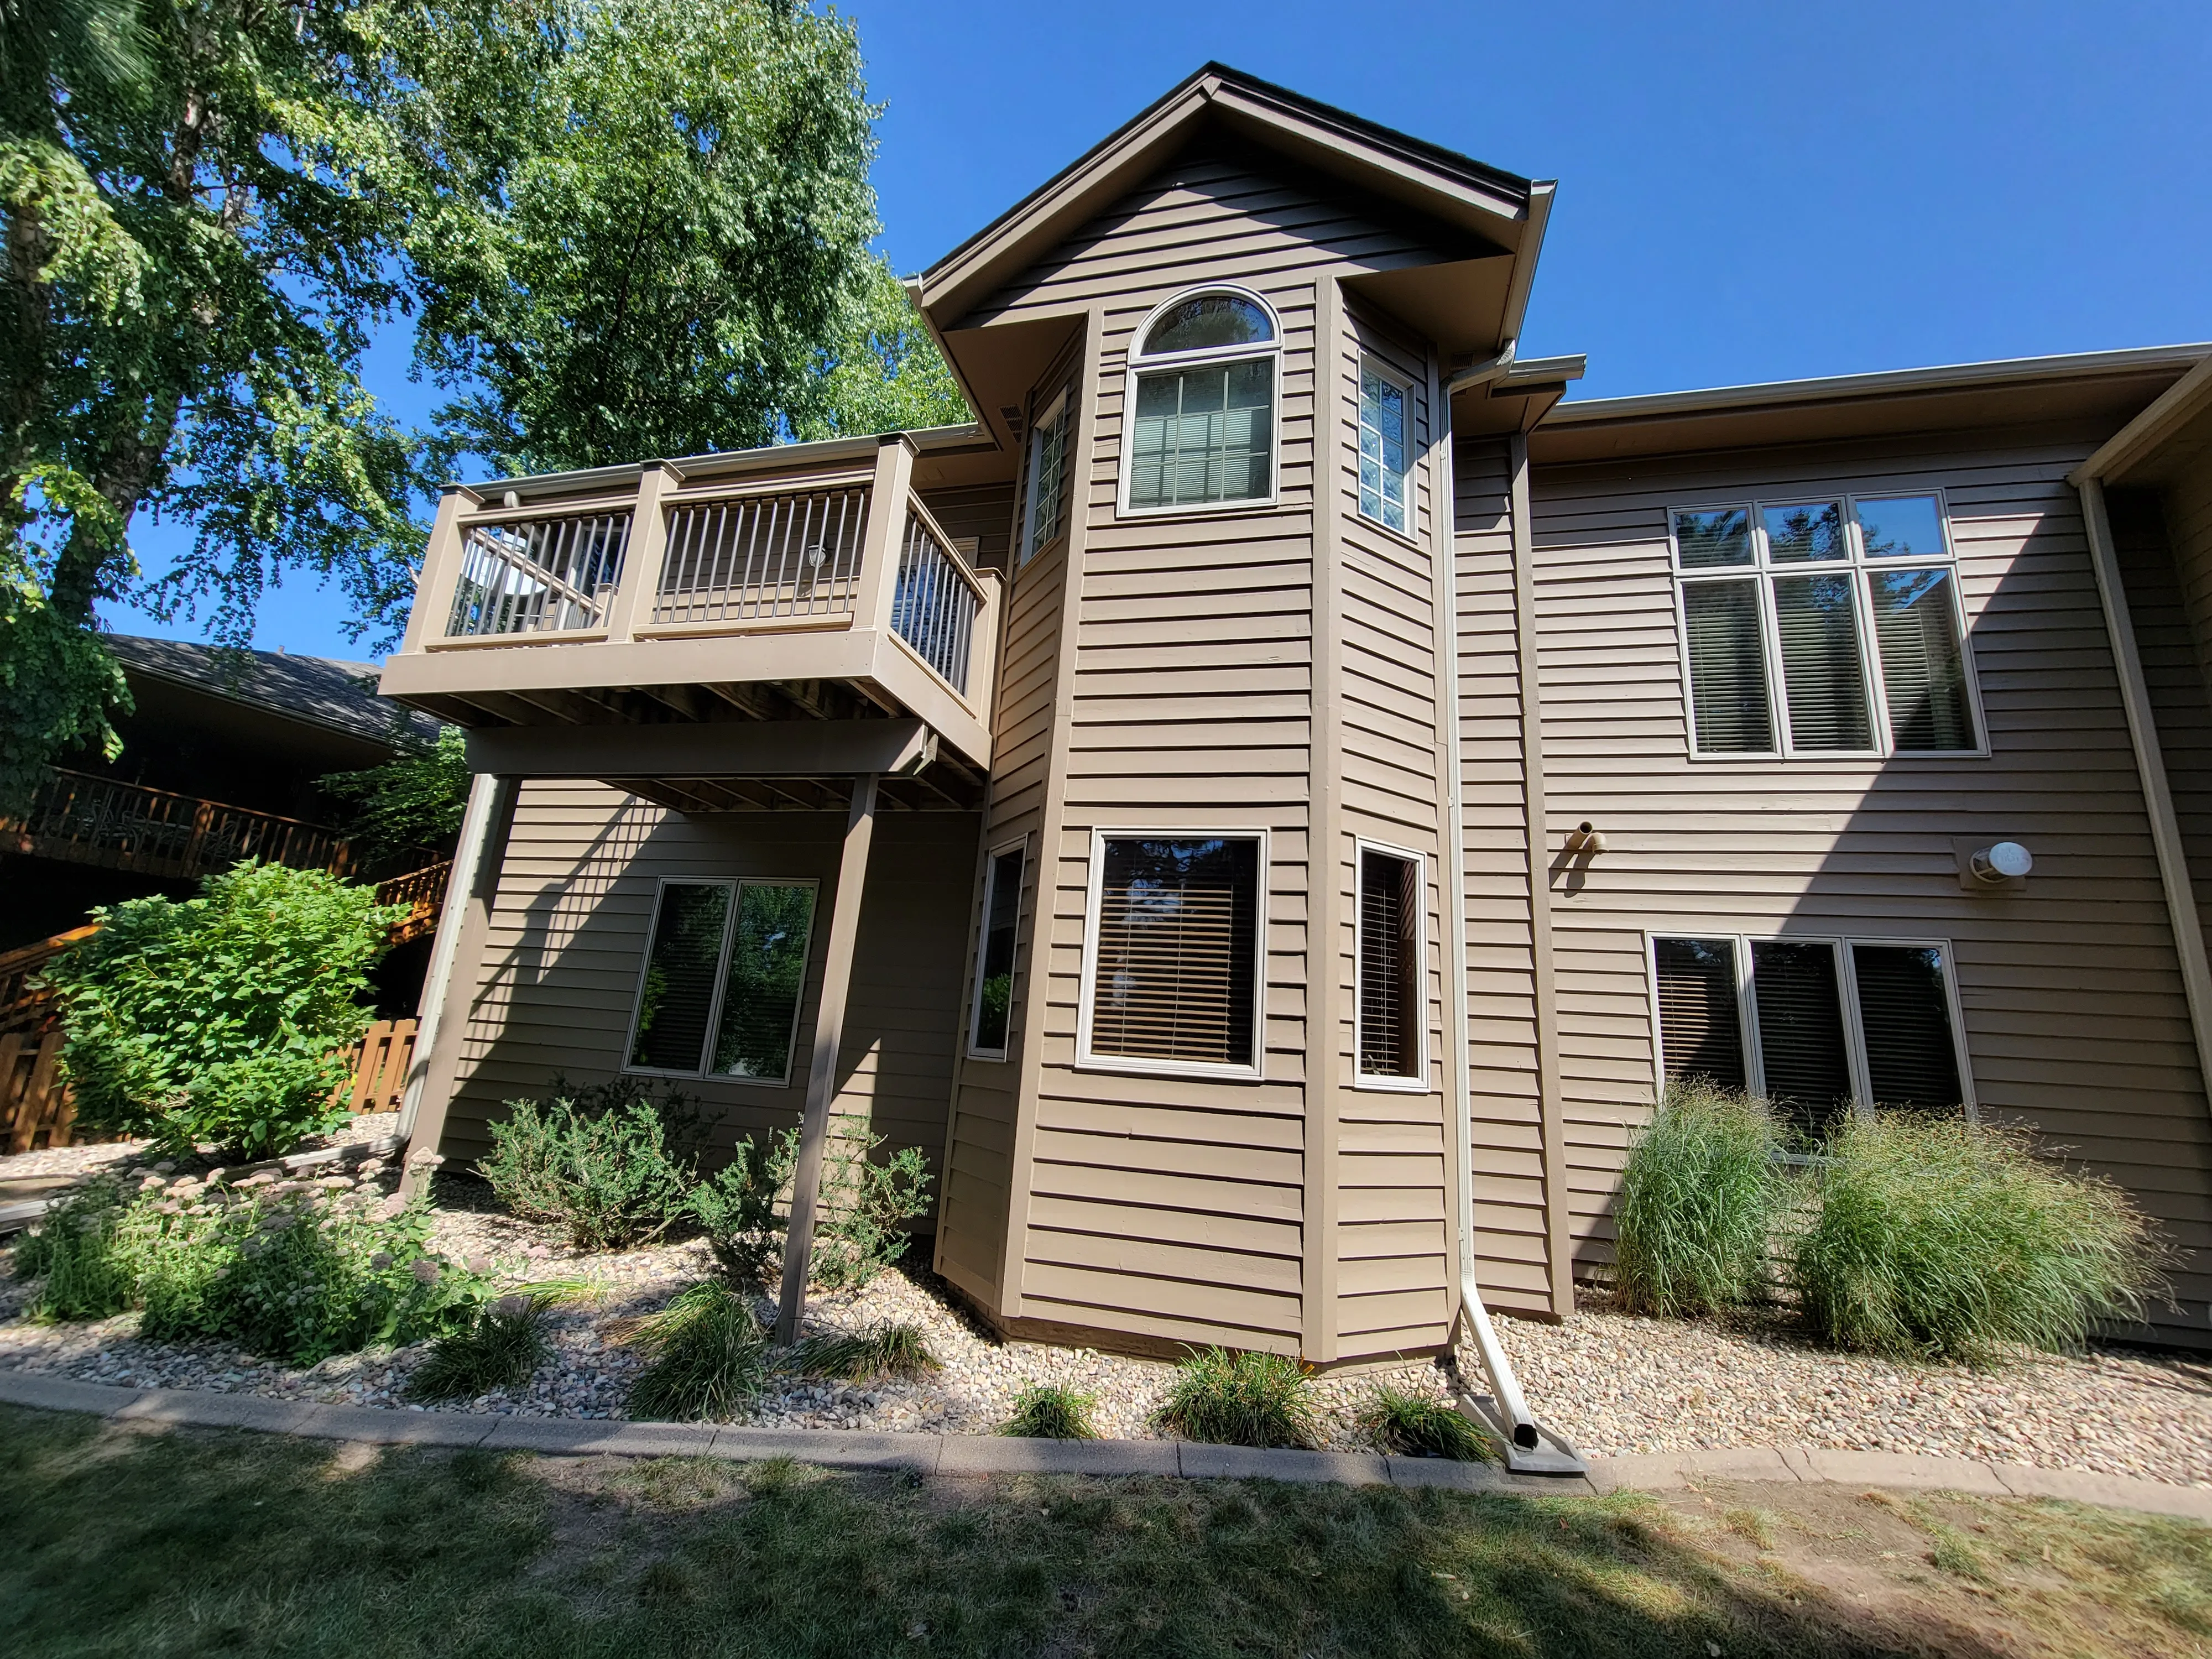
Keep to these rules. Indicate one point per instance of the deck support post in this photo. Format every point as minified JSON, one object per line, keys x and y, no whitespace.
{"x":821,"y":1077}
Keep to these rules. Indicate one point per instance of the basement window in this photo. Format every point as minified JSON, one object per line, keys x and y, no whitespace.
{"x":1828,"y":626}
{"x":1172,"y":953}
{"x":724,"y":974}
{"x":993,"y":995}
{"x":1389,"y":1013}
{"x":1817,"y":1026}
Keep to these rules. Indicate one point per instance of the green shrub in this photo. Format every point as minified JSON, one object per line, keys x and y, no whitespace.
{"x":500,"y":1346}
{"x":226,"y":1017}
{"x":860,"y":1224}
{"x":1698,"y":1196}
{"x":1241,"y":1399}
{"x":1418,"y":1426}
{"x":1936,"y":1236}
{"x":604,"y":1166}
{"x":710,"y":1357}
{"x":413,"y":802}
{"x":87,"y":1272}
{"x":882,"y":1352}
{"x":1048,"y":1412}
{"x":735,"y":1207}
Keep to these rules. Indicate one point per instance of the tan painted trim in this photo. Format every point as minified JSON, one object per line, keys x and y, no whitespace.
{"x":648,"y":542}
{"x":1052,"y":819}
{"x":1325,"y":835}
{"x":445,"y":944}
{"x":2136,"y":441}
{"x":441,"y":567}
{"x":1550,"y":1114}
{"x":804,"y":748}
{"x":880,"y":538}
{"x":2150,"y":766}
{"x":822,"y":1074}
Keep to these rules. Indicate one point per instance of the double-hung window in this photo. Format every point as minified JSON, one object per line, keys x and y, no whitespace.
{"x":724,"y":971}
{"x":1044,"y":518}
{"x":1815,"y":1026}
{"x":1201,"y":405}
{"x":1384,"y":495}
{"x":1827,"y":626}
{"x":1389,"y":1012}
{"x":1172,"y":949}
{"x":994,"y":992}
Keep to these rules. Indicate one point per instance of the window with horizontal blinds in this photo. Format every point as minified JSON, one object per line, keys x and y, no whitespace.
{"x":994,"y":966}
{"x":1204,"y":435}
{"x":1904,"y":1014}
{"x":1823,"y":674}
{"x":1924,"y":663}
{"x":1700,"y":1024}
{"x":1801,"y":1049}
{"x":683,"y":963}
{"x":1728,"y":668}
{"x":1390,"y":965}
{"x":766,"y":975}
{"x":1176,"y":950}
{"x":1705,"y":541}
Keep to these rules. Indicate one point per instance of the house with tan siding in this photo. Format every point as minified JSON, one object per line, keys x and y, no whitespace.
{"x":1266,"y":807}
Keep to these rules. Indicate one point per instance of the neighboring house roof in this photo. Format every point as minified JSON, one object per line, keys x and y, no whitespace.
{"x":325,"y":691}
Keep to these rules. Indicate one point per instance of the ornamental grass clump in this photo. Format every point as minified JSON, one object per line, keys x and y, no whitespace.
{"x":1046,"y":1411}
{"x":1241,"y":1399}
{"x":1945,"y":1239}
{"x":887,"y":1353}
{"x":501,"y":1347}
{"x":610,"y":1167}
{"x":1698,"y":1196}
{"x":710,"y":1357}
{"x":1415,"y":1425}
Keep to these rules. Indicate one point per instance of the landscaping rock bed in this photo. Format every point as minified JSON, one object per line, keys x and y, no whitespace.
{"x":1615,"y":1384}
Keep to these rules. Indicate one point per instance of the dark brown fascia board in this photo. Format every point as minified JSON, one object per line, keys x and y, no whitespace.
{"x":1459,"y":188}
{"x":2139,"y":439}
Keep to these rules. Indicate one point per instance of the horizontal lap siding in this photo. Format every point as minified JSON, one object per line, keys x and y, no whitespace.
{"x":567,"y":940}
{"x":2075,"y":1018}
{"x":983,"y":511}
{"x":1507,"y":1129}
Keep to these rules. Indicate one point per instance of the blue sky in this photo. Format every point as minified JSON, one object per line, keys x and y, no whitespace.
{"x":1747,"y":192}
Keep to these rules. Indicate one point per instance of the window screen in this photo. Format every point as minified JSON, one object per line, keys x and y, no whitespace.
{"x":1390,"y":965}
{"x":1728,"y":668}
{"x":767,"y":974}
{"x":676,"y":1001}
{"x":1700,"y":1028}
{"x":1905,"y":1008}
{"x":1178,"y":933}
{"x":1801,"y":1030}
{"x":1204,"y":435}
{"x":994,"y":968}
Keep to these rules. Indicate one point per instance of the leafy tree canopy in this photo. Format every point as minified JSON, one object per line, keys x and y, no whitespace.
{"x":620,"y":228}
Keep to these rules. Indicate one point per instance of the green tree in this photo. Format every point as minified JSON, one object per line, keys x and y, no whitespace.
{"x":416,"y":799}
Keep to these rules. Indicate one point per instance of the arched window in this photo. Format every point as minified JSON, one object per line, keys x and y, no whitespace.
{"x":1202,"y":400}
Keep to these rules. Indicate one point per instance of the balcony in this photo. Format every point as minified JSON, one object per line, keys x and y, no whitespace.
{"x":777,"y":592}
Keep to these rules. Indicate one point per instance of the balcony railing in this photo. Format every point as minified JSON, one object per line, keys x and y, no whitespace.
{"x":127,"y":826}
{"x":843,"y":550}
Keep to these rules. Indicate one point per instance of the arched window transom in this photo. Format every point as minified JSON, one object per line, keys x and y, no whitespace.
{"x":1202,"y":400}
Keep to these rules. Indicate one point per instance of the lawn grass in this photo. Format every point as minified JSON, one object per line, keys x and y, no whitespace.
{"x":193,"y":1542}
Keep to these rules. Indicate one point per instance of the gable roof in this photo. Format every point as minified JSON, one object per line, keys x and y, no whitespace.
{"x":326,"y":691}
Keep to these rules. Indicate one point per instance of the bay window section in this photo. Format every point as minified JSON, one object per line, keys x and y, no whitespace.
{"x":1383,"y":495}
{"x":994,"y":955}
{"x":1172,"y":953}
{"x":1202,"y":401}
{"x":1389,"y":1004}
{"x":1045,"y":515}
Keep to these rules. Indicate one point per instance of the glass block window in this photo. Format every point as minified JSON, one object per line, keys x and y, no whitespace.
{"x":1383,"y":473}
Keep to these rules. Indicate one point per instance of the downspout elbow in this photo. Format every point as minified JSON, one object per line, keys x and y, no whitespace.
{"x":1482,"y":374}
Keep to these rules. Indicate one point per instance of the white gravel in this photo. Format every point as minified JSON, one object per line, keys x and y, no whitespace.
{"x":1612,"y":1384}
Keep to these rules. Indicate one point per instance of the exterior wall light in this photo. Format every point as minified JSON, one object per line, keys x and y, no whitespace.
{"x":2001,"y":861}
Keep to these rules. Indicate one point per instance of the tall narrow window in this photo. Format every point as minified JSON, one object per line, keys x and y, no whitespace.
{"x":1174,"y":937}
{"x":1390,"y":1001}
{"x":1201,"y":429}
{"x":1700,"y":1029}
{"x":1802,"y":1053}
{"x":994,"y":955}
{"x":1382,"y":488}
{"x":725,"y":973}
{"x":1045,"y":516}
{"x":1824,"y":627}
{"x":683,"y":964}
{"x":767,"y":973}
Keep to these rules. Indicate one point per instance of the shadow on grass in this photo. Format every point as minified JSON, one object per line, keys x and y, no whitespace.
{"x":196,"y":1542}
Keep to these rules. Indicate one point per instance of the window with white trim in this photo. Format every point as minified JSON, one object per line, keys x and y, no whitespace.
{"x":723,"y":972}
{"x":1383,"y":493}
{"x":1045,"y":514}
{"x":1824,"y":625}
{"x":1172,"y":949}
{"x":1388,"y":1011}
{"x":1817,"y":1026}
{"x":993,"y":994}
{"x":1201,"y":402}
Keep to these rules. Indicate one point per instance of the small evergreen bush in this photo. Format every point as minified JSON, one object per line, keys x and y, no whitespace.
{"x":1046,"y":1411}
{"x":604,"y":1165}
{"x":226,"y":1017}
{"x":710,"y":1357}
{"x":735,"y":1208}
{"x":860,"y":1224}
{"x":1698,"y":1197}
{"x":1241,"y":1399}
{"x":1937,"y":1237}
{"x":1417,"y":1426}
{"x":500,"y":1346}
{"x":882,"y":1352}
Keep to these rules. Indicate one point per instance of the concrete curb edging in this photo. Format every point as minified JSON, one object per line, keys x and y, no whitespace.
{"x":959,"y":1454}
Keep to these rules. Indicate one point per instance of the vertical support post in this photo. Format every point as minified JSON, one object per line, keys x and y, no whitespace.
{"x":983,"y":647}
{"x":641,"y":568}
{"x":455,"y":955}
{"x":886,"y":534}
{"x":441,"y":570}
{"x":822,"y":1076}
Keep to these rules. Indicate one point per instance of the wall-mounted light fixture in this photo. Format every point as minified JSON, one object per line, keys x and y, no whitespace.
{"x":2001,"y":861}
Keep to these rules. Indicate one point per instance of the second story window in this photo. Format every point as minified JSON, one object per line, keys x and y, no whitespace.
{"x":1823,"y":627}
{"x":1201,"y":400}
{"x":1383,"y":492}
{"x":1046,"y":514}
